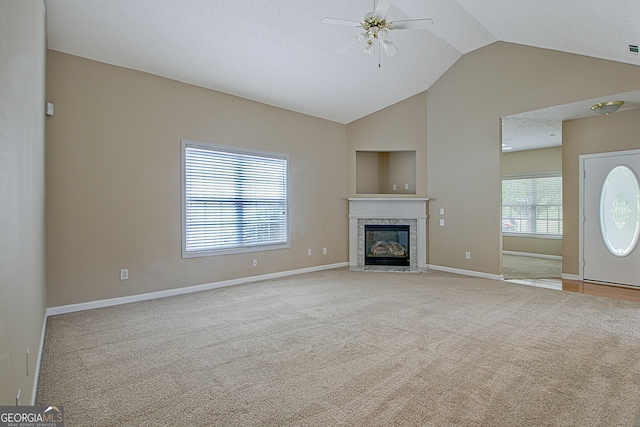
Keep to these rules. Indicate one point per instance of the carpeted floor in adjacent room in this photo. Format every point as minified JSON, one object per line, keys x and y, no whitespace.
{"x":343,"y":348}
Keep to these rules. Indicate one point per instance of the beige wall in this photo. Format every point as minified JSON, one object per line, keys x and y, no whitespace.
{"x":22,"y":256}
{"x":532,"y":245}
{"x":378,"y":171}
{"x":368,"y":173}
{"x":400,"y":127}
{"x":525,"y":162}
{"x":463,"y":161}
{"x":113,"y":181}
{"x":531,"y":161}
{"x":598,"y":134}
{"x":402,"y":172}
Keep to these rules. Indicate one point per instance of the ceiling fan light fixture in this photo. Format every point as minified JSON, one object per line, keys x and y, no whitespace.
{"x":386,"y":44}
{"x":377,"y":28}
{"x":371,"y":22}
{"x":607,"y":107}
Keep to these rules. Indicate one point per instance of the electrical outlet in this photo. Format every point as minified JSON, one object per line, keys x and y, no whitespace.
{"x":441,"y":211}
{"x":441,"y":222}
{"x":309,"y":252}
{"x":124,"y":274}
{"x":324,"y":251}
{"x":255,"y":263}
{"x":406,"y":186}
{"x":467,"y":255}
{"x":394,"y":187}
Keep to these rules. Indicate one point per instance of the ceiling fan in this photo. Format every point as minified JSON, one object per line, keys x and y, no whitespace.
{"x":376,"y":28}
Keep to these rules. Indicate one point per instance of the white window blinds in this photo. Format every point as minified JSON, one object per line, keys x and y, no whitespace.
{"x":234,"y":200}
{"x":532,"y":205}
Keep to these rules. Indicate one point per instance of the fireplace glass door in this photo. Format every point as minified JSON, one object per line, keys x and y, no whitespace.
{"x":387,"y":245}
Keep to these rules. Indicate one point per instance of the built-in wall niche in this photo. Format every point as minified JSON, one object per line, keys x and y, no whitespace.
{"x":385,"y":172}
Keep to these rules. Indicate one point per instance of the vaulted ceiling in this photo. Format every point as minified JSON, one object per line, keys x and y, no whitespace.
{"x":279,"y":53}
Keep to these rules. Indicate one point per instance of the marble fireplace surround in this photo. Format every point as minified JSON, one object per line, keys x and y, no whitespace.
{"x":388,"y":210}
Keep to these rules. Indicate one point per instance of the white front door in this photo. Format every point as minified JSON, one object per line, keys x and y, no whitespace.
{"x":611,"y":210}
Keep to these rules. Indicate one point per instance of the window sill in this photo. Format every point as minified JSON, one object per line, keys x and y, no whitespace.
{"x":532,"y":236}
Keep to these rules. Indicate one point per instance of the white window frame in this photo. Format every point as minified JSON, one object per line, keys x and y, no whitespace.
{"x":553,"y":174}
{"x":236,"y":249}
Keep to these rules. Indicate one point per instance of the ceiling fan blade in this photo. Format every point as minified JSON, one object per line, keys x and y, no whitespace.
{"x":337,"y":21}
{"x":382,"y":7}
{"x":389,"y":48}
{"x":346,"y":47}
{"x":412,"y":24}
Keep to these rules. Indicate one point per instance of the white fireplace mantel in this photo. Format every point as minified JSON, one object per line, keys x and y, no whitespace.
{"x":368,"y":210}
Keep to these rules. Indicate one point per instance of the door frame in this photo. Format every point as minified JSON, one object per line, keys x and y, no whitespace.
{"x":581,"y":190}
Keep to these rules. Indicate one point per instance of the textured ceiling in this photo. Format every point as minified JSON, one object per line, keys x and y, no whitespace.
{"x":543,"y":128}
{"x":279,"y":53}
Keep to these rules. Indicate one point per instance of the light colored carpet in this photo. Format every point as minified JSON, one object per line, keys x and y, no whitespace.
{"x":526,"y":267}
{"x":342,"y":348}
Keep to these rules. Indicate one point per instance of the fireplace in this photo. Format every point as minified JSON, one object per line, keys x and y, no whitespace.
{"x":387,"y":244}
{"x":388,"y":214}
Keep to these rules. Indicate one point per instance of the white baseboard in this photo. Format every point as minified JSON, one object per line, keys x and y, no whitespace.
{"x":567,"y":276}
{"x":545,"y":256}
{"x":52,"y":311}
{"x":467,"y":272}
{"x":36,"y":374}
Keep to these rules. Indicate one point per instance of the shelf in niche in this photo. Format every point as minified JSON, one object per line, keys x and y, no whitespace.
{"x":378,"y":171}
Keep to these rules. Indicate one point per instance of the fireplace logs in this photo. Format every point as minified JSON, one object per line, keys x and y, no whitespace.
{"x":387,"y":248}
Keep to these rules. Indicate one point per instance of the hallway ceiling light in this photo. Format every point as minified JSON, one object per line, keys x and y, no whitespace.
{"x":607,"y":107}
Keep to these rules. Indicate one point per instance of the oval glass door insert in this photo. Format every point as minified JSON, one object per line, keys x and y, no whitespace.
{"x":620,"y":211}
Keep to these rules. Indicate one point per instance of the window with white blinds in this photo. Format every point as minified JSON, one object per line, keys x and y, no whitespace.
{"x":532,"y":205}
{"x":234,"y":200}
